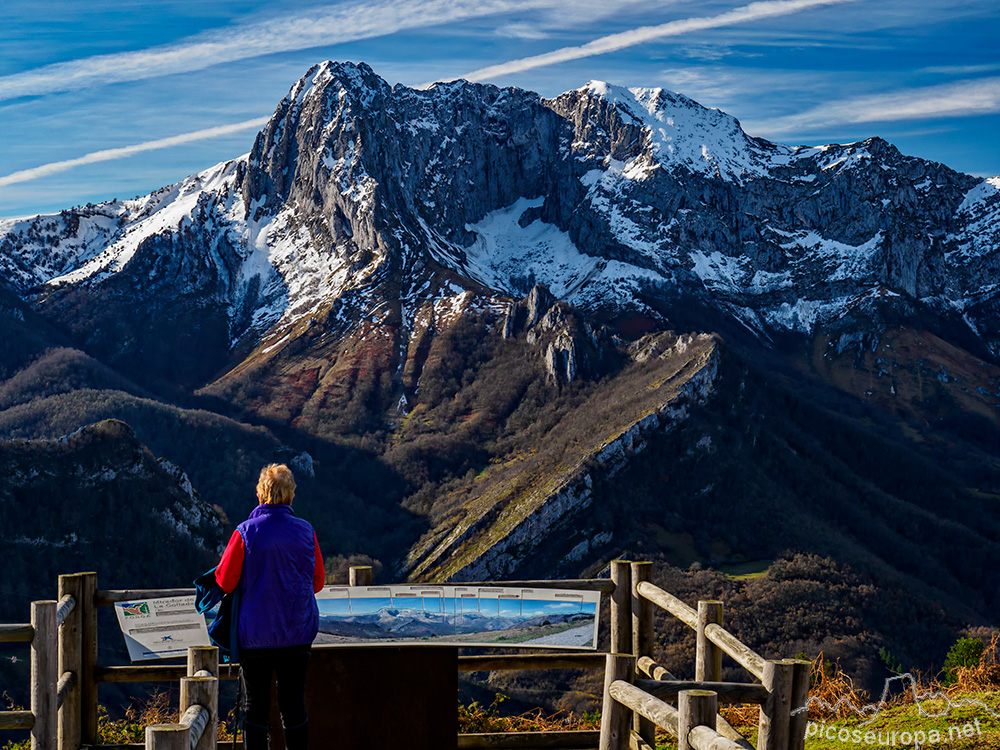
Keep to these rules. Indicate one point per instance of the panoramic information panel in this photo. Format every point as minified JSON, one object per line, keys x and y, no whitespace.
{"x":459,"y":615}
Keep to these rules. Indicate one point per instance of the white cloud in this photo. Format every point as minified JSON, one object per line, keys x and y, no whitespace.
{"x":26,"y":175}
{"x":961,"y":70}
{"x":522,"y":31}
{"x":317,"y":28}
{"x":613,"y":42}
{"x":958,"y":99}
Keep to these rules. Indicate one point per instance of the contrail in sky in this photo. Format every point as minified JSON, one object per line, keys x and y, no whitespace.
{"x":110,"y":154}
{"x":321,"y":27}
{"x":624,"y":39}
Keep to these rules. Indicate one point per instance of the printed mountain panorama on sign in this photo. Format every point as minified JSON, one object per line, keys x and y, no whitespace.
{"x":499,"y":336}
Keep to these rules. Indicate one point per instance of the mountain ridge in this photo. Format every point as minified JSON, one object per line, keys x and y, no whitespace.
{"x":447,"y":303}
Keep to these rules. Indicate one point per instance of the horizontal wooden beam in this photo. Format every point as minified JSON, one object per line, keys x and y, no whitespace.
{"x":705,"y":738}
{"x":581,"y":738}
{"x":749,"y":659}
{"x":19,"y":633}
{"x":17,"y":720}
{"x":669,"y":602}
{"x":156,"y":673}
{"x":107,"y":597}
{"x":728,"y":692}
{"x":508,"y":662}
{"x":653,"y":670}
{"x":659,"y":712}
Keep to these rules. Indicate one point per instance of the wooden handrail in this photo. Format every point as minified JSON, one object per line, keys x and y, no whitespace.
{"x":744,"y":655}
{"x":657,"y":711}
{"x":669,"y":602}
{"x":706,"y":738}
{"x":749,"y":659}
{"x":17,"y":633}
{"x":653,"y":670}
{"x":196,"y":718}
{"x":729,"y":692}
{"x":17,"y":720}
{"x":154,"y":673}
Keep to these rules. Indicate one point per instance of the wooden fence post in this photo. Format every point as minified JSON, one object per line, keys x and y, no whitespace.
{"x":696,"y":708}
{"x":44,"y":675}
{"x":71,"y":661}
{"x":801,"y":672}
{"x":775,"y":714}
{"x":621,"y":606}
{"x":708,"y":657}
{"x":616,"y":719}
{"x":203,"y":658}
{"x":360,"y":575}
{"x":202,"y":691}
{"x":168,"y":737}
{"x":88,"y":657}
{"x":642,"y":639}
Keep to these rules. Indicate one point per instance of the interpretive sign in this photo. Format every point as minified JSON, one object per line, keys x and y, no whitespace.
{"x":161,"y":628}
{"x":459,"y":615}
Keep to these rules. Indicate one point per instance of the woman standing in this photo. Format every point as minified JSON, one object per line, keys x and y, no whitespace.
{"x":275,"y":560}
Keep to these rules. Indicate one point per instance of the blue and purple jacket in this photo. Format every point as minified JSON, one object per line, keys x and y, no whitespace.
{"x":274,"y":558}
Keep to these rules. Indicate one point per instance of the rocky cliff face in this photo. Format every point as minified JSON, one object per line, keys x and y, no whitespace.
{"x":355,"y":192}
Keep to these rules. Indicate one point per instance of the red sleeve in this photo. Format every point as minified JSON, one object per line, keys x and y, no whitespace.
{"x":319,"y":575}
{"x":227,"y":574}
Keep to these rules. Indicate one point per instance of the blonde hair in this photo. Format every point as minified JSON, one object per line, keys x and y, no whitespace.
{"x":276,"y":485}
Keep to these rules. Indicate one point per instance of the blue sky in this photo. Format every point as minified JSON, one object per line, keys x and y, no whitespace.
{"x":115,"y":98}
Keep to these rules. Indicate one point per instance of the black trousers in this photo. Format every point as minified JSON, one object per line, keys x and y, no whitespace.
{"x":290,"y":665}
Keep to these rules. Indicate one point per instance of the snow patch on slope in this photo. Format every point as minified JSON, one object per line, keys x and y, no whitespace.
{"x":979,"y":217}
{"x":162,"y":211}
{"x":510,"y":258}
{"x":684,"y":133}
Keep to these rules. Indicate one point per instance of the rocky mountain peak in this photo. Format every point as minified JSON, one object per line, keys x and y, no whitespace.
{"x":672,"y":130}
{"x":359,"y":197}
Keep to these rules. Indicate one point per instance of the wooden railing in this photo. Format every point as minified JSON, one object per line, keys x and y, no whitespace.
{"x":197,"y":728}
{"x":57,"y":633}
{"x":634,"y":706}
{"x":637,"y":690}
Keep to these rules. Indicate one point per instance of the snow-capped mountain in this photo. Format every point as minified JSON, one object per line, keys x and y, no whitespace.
{"x":605,"y":194}
{"x":403,"y":282}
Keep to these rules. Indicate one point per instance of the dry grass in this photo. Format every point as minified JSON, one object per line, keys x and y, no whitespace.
{"x":982,"y":677}
{"x":475,"y":719}
{"x":140,"y":714}
{"x":746,"y":715}
{"x":835,"y":693}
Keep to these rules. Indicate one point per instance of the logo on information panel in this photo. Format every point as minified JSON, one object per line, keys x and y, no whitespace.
{"x":131,"y":610}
